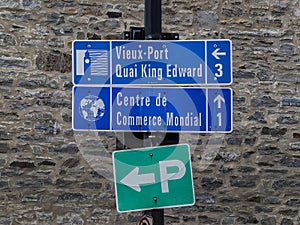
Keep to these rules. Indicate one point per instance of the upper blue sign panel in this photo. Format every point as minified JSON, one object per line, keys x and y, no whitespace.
{"x":175,"y":63}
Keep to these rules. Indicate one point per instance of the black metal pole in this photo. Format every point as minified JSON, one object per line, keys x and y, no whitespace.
{"x":153,"y":32}
{"x":157,"y":215}
{"x":152,"y":19}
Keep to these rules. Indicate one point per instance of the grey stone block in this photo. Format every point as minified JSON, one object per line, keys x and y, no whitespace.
{"x":14,"y":63}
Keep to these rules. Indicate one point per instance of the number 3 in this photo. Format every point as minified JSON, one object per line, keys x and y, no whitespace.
{"x":219,"y":69}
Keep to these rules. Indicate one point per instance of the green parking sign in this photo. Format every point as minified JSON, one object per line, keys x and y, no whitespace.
{"x":157,"y":177}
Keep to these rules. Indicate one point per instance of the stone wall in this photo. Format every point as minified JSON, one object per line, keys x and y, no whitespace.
{"x":52,"y":175}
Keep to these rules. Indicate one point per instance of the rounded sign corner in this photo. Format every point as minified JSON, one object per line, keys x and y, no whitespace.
{"x":229,"y":131}
{"x":73,"y":43}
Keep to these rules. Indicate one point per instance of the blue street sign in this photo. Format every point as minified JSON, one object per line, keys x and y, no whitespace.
{"x":190,"y":109}
{"x":160,"y":62}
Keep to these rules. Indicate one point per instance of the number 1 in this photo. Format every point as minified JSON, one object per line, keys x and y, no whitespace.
{"x":219,"y":115}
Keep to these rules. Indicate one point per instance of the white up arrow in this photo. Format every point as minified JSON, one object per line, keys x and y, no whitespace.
{"x":216,"y":53}
{"x":219,"y":99}
{"x":134,"y":179}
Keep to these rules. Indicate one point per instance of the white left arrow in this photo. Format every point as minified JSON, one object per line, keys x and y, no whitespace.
{"x":134,"y":179}
{"x":216,"y":53}
{"x":219,"y":99}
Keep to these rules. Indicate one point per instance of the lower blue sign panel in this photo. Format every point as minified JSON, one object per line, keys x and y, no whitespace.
{"x":198,"y":110}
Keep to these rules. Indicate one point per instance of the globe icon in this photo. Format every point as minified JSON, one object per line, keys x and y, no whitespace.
{"x":92,"y":108}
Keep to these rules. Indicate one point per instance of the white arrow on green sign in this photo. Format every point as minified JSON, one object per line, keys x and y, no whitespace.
{"x":157,"y":177}
{"x":134,"y":179}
